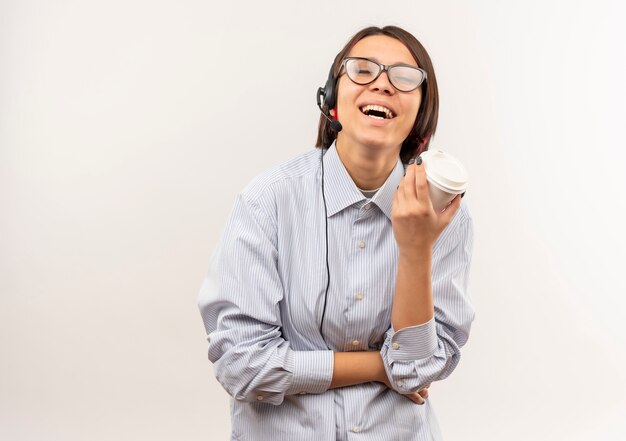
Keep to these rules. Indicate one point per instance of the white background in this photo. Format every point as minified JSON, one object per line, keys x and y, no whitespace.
{"x":127,"y":128}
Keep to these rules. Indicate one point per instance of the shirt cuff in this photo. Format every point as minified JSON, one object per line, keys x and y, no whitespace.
{"x":312,"y":371}
{"x":414,"y":342}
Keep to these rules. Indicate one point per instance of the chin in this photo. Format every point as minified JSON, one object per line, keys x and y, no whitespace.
{"x":379,"y":142}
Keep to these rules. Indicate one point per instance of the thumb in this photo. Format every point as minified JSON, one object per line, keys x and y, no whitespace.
{"x":448,"y":213}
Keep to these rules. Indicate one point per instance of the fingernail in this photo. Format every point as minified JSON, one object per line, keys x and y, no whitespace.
{"x":411,"y":161}
{"x":418,"y":161}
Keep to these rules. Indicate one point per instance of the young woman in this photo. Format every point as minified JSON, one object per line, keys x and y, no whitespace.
{"x":337,"y":294}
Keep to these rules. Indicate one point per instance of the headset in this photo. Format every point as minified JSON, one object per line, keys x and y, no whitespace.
{"x":327,"y":94}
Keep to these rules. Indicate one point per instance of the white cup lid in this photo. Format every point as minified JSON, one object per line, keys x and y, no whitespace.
{"x":445,"y":171}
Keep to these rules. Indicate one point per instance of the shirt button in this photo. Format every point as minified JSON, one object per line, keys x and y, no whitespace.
{"x":396,"y":345}
{"x":360,"y":244}
{"x":355,"y":342}
{"x":367,"y":206}
{"x":400,"y":383}
{"x":359,"y":296}
{"x":356,"y":429}
{"x":259,"y":397}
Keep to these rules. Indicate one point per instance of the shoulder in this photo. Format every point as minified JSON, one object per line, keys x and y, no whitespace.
{"x":460,"y":229}
{"x":296,"y":173}
{"x":462,"y":216}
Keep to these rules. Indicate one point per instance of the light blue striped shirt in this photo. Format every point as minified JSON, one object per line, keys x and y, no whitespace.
{"x":262,"y":303}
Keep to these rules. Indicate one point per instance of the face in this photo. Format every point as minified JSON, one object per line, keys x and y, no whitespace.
{"x":364,"y":130}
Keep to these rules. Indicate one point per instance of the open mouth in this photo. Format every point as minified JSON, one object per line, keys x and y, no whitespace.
{"x":377,"y":112}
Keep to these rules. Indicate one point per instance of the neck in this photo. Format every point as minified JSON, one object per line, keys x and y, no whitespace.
{"x":369,"y":168}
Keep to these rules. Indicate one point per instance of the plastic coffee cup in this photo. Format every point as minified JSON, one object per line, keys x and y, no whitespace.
{"x":446,"y":177}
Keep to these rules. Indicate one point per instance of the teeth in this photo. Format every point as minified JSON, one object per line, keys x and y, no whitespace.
{"x":388,"y":113}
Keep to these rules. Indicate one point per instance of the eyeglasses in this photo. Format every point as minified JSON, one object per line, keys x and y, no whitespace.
{"x":403,"y":77}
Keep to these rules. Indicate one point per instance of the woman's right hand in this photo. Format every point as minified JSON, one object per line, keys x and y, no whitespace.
{"x":416,"y":397}
{"x":422,"y":395}
{"x":381,"y":377}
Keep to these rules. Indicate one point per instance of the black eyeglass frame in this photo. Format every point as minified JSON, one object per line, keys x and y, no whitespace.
{"x":382,"y":68}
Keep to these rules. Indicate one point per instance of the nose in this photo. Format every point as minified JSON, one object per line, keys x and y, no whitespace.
{"x":382,"y":84}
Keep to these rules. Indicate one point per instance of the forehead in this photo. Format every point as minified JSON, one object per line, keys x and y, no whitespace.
{"x":384,"y":49}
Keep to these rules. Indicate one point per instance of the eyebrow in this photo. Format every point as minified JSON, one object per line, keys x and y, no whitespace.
{"x":392,"y":64}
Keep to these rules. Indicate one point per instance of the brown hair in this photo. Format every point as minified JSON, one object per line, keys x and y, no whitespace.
{"x":426,"y":121}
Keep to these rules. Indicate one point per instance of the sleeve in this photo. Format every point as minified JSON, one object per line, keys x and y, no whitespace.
{"x":239,"y":303}
{"x":415,"y":357}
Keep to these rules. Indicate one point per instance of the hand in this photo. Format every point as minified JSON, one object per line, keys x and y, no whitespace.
{"x":415,"y":223}
{"x":416,"y":397}
{"x":381,"y":377}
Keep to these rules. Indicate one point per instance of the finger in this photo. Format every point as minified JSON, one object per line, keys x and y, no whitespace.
{"x":423,"y":393}
{"x":398,"y":196}
{"x":408,"y":186}
{"x":415,"y":397}
{"x":448,"y":213}
{"x":421,"y":183}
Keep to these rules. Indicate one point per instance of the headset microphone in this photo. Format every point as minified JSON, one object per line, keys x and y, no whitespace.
{"x":334,"y":124}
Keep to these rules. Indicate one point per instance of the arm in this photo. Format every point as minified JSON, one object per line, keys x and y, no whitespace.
{"x":352,"y":368}
{"x":424,"y":341}
{"x":239,"y":302}
{"x":418,"y":355}
{"x":413,"y":297}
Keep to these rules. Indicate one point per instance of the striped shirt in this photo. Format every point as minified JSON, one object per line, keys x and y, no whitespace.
{"x":262,"y":304}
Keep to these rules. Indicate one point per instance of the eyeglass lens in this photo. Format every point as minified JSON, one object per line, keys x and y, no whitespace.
{"x":403,"y":78}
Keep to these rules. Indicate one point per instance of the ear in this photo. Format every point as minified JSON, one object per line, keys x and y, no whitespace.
{"x":333,"y":112}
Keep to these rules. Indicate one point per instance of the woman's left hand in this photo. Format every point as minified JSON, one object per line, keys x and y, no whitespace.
{"x":416,"y":225}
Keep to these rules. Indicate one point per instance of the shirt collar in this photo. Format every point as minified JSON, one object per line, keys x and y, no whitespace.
{"x":341,"y":191}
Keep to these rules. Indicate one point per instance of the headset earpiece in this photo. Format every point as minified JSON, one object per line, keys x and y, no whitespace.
{"x":329,"y":91}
